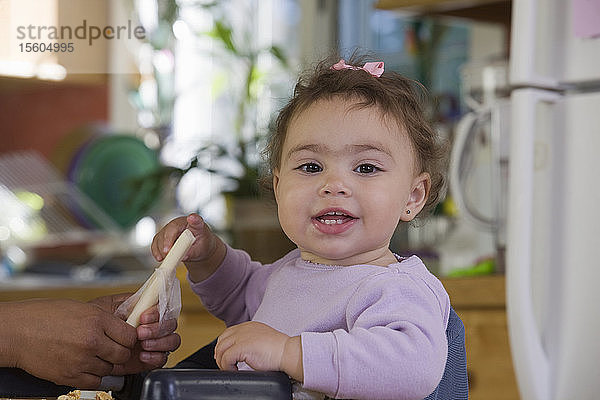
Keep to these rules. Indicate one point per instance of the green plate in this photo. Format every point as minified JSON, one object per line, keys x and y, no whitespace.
{"x":110,"y":172}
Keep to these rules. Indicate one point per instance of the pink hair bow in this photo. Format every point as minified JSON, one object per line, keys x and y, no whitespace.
{"x":374,"y":68}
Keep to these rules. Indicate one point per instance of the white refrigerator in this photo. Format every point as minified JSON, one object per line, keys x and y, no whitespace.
{"x":553,"y":223}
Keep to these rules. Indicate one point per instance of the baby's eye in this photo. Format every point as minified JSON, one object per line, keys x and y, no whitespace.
{"x":310,"y":168}
{"x":366,"y":169}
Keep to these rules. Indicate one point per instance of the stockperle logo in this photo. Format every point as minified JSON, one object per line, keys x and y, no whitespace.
{"x":84,"y":31}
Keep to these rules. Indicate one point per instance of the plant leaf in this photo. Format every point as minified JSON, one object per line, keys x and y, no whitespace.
{"x":223,"y":33}
{"x":279,"y":54}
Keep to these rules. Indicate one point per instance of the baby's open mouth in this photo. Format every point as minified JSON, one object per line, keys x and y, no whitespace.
{"x":334,"y":218}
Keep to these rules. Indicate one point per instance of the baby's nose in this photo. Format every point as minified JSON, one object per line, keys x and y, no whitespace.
{"x":335,"y":187}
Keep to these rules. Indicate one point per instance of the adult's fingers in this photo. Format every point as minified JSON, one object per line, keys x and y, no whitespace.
{"x":120,"y":331}
{"x":154,"y":359}
{"x":167,"y":343}
{"x":156,"y":329}
{"x":150,"y":316}
{"x":117,"y":299}
{"x":120,"y":338}
{"x":113,"y":353}
{"x":110,"y":303}
{"x":98,"y":367}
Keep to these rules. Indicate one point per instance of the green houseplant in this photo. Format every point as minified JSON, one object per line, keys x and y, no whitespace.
{"x":244,"y":71}
{"x":251,"y":217}
{"x":237,"y":54}
{"x":248,"y":135}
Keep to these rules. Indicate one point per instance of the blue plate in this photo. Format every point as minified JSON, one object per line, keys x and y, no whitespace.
{"x":111,"y":171}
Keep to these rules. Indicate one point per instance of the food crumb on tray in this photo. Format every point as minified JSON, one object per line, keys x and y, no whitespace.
{"x":77,"y":395}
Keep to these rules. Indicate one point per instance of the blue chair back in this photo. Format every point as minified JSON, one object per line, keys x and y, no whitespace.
{"x":454,"y":384}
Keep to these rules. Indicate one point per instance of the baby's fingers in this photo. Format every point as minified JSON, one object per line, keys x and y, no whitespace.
{"x":164,"y":239}
{"x":195,"y":223}
{"x":223,"y":355}
{"x":227,"y":360}
{"x":154,"y":247}
{"x":171,"y":233}
{"x":159,"y":247}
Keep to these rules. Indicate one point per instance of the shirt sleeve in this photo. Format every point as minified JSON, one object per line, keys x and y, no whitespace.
{"x":234,"y":291}
{"x":395,"y":345}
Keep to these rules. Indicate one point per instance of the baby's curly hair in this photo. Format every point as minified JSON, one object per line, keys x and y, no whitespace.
{"x":398,"y":98}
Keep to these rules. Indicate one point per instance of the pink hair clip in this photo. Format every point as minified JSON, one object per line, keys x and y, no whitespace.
{"x":374,"y":68}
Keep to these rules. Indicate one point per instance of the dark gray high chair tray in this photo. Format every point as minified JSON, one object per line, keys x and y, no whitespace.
{"x":207,"y":384}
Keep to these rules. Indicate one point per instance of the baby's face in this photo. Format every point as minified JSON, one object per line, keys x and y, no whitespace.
{"x":346,"y":179}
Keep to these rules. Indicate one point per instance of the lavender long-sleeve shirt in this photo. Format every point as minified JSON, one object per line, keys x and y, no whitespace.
{"x":368,"y":332}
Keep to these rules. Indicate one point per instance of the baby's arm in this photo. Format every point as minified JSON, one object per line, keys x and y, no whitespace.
{"x":395,"y":345}
{"x":205,"y":255}
{"x":228,"y":282}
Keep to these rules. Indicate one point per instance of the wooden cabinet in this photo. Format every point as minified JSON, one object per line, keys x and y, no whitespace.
{"x":480,"y":303}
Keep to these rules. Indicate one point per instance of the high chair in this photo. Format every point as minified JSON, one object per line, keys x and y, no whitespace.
{"x":195,"y":377}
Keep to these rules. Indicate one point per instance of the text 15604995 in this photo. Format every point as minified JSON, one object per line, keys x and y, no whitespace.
{"x":47,"y":47}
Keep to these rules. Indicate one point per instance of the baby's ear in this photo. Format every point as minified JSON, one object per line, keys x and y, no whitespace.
{"x":418,"y":197}
{"x":275,"y":182}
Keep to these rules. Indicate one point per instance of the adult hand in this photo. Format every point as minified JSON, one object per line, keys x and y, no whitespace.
{"x":155,"y":340}
{"x":65,"y":341}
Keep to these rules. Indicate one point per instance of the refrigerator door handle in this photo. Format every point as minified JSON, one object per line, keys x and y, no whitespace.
{"x":463,"y":135}
{"x":529,"y":358}
{"x":527,"y":29}
{"x":522,"y":41}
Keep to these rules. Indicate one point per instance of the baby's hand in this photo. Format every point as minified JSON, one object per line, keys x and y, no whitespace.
{"x":202,"y":247}
{"x":257,"y":344}
{"x":205,"y":255}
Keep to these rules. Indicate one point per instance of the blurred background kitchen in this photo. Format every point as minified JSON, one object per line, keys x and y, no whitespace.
{"x":101,"y":145}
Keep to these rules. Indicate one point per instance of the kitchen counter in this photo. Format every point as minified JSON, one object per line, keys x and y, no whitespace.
{"x":34,"y":282}
{"x":479,"y":292}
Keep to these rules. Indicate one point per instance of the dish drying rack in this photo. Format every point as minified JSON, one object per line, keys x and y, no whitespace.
{"x":41,"y":209}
